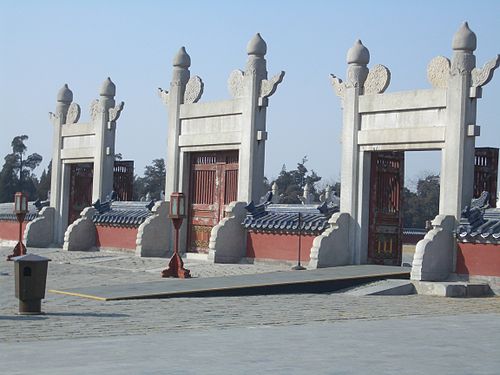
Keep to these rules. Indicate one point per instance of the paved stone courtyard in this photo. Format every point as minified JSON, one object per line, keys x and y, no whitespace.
{"x":71,"y":321}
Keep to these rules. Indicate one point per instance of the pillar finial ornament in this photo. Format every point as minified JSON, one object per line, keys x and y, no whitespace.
{"x":106,"y":101}
{"x":181,"y":74}
{"x":182,"y":59}
{"x":464,"y":43}
{"x":108,"y":88}
{"x":358,"y":54}
{"x":257,"y":46}
{"x":358,"y":58}
{"x":256,"y":63}
{"x":64,"y":99}
{"x":65,"y":95}
{"x":464,"y":39}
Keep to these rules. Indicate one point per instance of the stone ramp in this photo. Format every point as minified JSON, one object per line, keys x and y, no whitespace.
{"x":308,"y":281}
{"x":399,"y":287}
{"x":387,"y":287}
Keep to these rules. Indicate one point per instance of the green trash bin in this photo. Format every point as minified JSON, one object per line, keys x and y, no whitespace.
{"x":31,"y":278}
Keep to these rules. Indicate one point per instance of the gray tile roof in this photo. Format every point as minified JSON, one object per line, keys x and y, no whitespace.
{"x":480,"y":225}
{"x":7,"y":211}
{"x":122,"y":213}
{"x":284,"y":218}
{"x":414,"y":231}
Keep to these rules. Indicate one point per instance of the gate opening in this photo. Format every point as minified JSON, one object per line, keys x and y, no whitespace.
{"x":213,"y":185}
{"x":420,"y":198}
{"x":80,"y":189}
{"x":386,"y":215}
{"x":404,"y":198}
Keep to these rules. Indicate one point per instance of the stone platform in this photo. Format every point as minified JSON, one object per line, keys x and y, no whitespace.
{"x":307,"y":281}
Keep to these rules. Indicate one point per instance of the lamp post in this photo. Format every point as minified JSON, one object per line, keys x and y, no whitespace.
{"x":299,"y":267}
{"x":177,"y":213}
{"x":20,"y":209}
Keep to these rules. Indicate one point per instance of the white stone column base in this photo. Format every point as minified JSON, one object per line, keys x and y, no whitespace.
{"x":331,"y":248}
{"x":433,"y":259}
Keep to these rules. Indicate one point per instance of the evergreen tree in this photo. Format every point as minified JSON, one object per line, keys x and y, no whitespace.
{"x":17,"y":171}
{"x":153,"y":181}
{"x":291,"y":183}
{"x":44,"y":185}
{"x":422,"y":205}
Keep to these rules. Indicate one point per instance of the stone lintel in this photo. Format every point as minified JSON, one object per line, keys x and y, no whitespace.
{"x":435,"y":134}
{"x":211,"y":109}
{"x":78,"y":153}
{"x":73,"y":130}
{"x":403,"y":101}
{"x":210,"y":139}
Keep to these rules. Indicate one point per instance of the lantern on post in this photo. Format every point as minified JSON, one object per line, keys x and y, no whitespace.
{"x":177,"y":212}
{"x":299,"y":267}
{"x":20,"y":209}
{"x":177,"y":206}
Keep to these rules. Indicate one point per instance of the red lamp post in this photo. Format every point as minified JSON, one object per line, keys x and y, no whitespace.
{"x":20,"y":209}
{"x":177,"y":212}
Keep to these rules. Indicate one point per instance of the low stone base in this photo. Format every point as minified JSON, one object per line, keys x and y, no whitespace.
{"x":493,"y":282}
{"x":394,"y":287}
{"x":196,"y":256}
{"x":453,"y":289}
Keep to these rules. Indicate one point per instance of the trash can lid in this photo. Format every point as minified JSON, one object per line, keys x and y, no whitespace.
{"x":30,"y":258}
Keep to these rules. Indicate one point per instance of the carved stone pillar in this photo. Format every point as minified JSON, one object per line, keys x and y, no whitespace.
{"x":64,"y":99}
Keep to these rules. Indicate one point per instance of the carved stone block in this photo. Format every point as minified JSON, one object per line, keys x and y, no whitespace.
{"x":378,"y":79}
{"x":235,"y":83}
{"x":194,"y":90}
{"x":438,"y":72}
{"x":73,"y":114}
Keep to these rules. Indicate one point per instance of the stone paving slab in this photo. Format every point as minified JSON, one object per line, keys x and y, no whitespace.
{"x":319,"y":280}
{"x":444,"y":345}
{"x":72,"y":322}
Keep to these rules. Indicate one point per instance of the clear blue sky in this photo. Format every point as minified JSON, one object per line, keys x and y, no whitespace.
{"x":44,"y":44}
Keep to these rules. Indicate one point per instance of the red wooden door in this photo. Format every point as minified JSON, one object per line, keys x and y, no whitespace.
{"x":80,"y":189}
{"x":486,"y":173}
{"x":385,"y":245}
{"x":213,"y":185}
{"x":123,"y":179}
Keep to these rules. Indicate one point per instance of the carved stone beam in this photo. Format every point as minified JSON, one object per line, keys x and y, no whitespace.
{"x":163,"y":94}
{"x":268,"y":86}
{"x":481,"y":76}
{"x":338,"y":85}
{"x":114,"y":113}
{"x":53,"y":117}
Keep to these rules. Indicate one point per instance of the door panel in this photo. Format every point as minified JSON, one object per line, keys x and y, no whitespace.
{"x":213,"y":185}
{"x":80,"y":189}
{"x":123,"y":179}
{"x":230,"y":191}
{"x":386,"y":214}
{"x":486,"y":173}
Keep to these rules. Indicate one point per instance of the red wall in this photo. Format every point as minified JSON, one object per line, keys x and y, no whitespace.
{"x":9,"y":230}
{"x":478,"y":259}
{"x":278,"y":246}
{"x":116,"y":237}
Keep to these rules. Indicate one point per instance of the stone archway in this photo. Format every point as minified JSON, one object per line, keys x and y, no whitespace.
{"x":234,"y":125}
{"x":77,"y":143}
{"x":441,"y":118}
